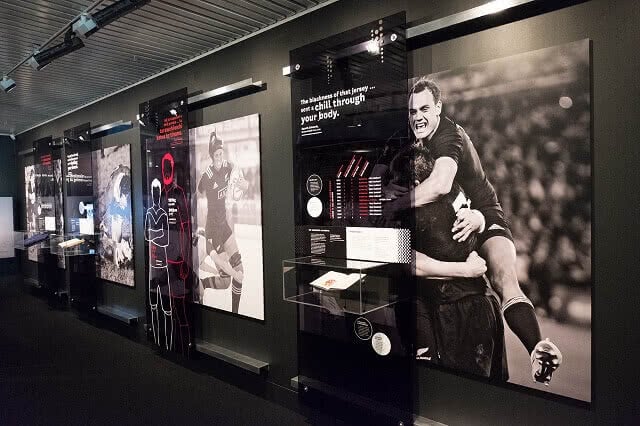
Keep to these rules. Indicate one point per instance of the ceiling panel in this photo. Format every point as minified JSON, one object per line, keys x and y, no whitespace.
{"x":160,"y":35}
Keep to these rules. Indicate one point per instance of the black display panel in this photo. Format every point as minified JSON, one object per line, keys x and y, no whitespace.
{"x":45,"y":185}
{"x":349,"y":109}
{"x":58,"y":189}
{"x":349,"y":117}
{"x":79,"y":206}
{"x":164,"y":138}
{"x":351,"y":87}
{"x":45,"y":209}
{"x":79,"y":180}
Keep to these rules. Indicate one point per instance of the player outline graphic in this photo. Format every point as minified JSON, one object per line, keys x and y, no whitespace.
{"x":156,"y":232}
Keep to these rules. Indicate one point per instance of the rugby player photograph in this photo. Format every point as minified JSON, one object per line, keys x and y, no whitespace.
{"x":227,"y":216}
{"x":112,"y":184}
{"x":450,"y":190}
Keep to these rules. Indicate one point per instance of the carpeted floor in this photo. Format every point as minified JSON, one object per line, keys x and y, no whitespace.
{"x":57,"y":369}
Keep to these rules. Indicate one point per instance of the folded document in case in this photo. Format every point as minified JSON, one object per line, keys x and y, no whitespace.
{"x":71,"y":243}
{"x":333,"y":280}
{"x":35,"y":239}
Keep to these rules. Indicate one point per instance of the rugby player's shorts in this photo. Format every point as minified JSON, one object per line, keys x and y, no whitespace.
{"x":466,"y":335}
{"x":495,"y":224}
{"x":217,"y":234}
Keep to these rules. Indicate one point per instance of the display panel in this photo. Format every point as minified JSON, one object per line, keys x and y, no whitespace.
{"x":78,"y":241}
{"x":45,"y":182}
{"x":348,"y":113}
{"x":6,"y":228}
{"x":113,"y":217}
{"x":164,"y":138}
{"x":227,"y":216}
{"x":79,"y":178}
{"x":31,"y":210}
{"x":349,"y":109}
{"x":58,"y":194}
{"x":525,"y":120}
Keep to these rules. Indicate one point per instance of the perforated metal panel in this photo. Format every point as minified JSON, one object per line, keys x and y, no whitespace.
{"x":160,"y":35}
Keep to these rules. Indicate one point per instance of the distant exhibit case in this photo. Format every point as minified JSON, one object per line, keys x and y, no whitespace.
{"x":350,"y":275}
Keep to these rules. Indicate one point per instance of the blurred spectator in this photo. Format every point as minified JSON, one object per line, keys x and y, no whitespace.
{"x":537,"y":155}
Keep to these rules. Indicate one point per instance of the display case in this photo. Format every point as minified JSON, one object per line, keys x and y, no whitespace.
{"x":23,"y":240}
{"x":340,"y":285}
{"x":72,"y":244}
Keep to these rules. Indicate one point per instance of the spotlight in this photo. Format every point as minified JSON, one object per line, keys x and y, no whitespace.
{"x":139,"y":117}
{"x":84,"y":26}
{"x":7,"y":84}
{"x":495,"y":6}
{"x":116,"y":10}
{"x":71,"y":43}
{"x":173,"y":112}
{"x":373,"y":47}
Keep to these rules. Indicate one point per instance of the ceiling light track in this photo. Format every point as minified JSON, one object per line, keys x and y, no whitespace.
{"x":82,"y":26}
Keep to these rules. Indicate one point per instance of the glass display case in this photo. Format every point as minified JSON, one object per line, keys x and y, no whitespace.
{"x":340,"y":285}
{"x":73,"y":244}
{"x":23,"y":240}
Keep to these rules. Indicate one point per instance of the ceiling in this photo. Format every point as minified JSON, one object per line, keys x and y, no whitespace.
{"x":159,"y":36}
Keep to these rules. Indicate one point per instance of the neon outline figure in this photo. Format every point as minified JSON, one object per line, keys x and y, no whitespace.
{"x":156,"y":231}
{"x":178,"y":250}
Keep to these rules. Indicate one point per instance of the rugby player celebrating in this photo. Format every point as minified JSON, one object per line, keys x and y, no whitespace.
{"x":456,"y":159}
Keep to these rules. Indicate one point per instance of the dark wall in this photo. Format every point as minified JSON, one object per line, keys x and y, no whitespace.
{"x":8,"y":188}
{"x":8,"y":184}
{"x":613,"y":28}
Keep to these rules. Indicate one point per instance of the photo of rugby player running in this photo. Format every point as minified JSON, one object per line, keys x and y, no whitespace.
{"x":227,"y":255}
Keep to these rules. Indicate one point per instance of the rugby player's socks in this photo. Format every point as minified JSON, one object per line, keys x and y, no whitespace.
{"x":236,"y":286}
{"x":236,"y":292}
{"x":519,"y":314}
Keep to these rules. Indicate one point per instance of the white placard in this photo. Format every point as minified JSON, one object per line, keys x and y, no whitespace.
{"x":381,"y":344}
{"x":6,"y":227}
{"x":379,"y":244}
{"x":50,"y":223}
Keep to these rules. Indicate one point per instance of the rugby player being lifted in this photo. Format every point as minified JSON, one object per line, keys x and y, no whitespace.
{"x":456,"y":159}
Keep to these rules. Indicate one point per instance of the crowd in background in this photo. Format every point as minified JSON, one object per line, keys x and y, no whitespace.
{"x":535,"y":150}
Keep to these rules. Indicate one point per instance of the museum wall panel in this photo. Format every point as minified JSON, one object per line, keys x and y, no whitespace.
{"x":442,"y":396}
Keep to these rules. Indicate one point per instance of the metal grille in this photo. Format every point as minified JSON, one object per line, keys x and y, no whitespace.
{"x":160,"y":35}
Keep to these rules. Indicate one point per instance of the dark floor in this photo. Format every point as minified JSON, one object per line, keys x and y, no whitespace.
{"x":58,"y":369}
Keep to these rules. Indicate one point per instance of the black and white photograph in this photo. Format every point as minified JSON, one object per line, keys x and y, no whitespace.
{"x":227,"y":216}
{"x":31,"y":208}
{"x":59,"y":204}
{"x":113,"y":216}
{"x":501,"y":193}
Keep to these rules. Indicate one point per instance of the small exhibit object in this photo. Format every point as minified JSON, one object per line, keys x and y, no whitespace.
{"x":71,"y":243}
{"x":333,"y":280}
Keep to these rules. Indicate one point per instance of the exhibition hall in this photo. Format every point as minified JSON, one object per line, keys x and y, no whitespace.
{"x":319,"y":212}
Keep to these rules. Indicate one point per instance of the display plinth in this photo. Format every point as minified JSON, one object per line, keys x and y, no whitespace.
{"x":72,"y":244}
{"x":119,"y":313}
{"x":340,"y":285}
{"x":239,"y":360}
{"x":23,"y":240}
